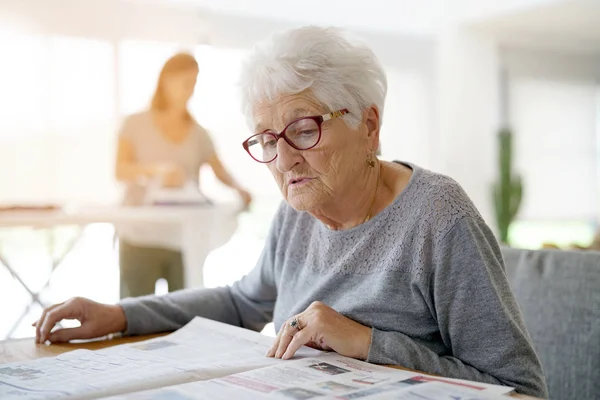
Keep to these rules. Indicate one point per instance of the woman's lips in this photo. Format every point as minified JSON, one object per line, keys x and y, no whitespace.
{"x":296,"y":182}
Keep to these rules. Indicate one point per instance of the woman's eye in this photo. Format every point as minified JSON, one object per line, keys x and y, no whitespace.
{"x":270,"y":143}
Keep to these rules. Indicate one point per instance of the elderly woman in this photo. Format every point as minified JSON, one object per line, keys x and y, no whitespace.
{"x":381,"y":261}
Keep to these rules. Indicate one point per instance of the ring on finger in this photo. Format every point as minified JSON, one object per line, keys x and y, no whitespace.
{"x":294,"y":323}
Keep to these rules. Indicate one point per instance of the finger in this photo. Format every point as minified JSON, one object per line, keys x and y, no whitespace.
{"x":300,"y":339}
{"x":286,"y":337}
{"x":66,"y":334}
{"x":271,"y":351}
{"x":285,"y":340}
{"x":63,"y":311}
{"x":38,"y":324}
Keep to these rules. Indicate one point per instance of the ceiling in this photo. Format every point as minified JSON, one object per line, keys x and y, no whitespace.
{"x":571,"y":25}
{"x":420,"y":17}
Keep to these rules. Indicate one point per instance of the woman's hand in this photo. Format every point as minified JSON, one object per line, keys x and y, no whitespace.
{"x":321,"y":327}
{"x":171,"y":175}
{"x":96,"y":320}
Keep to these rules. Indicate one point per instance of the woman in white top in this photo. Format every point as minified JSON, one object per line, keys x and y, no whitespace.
{"x":166,"y":145}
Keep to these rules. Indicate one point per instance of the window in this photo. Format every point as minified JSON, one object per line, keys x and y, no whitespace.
{"x":56,"y":145}
{"x":59,"y":103}
{"x":22,"y":99}
{"x":22,"y":80}
{"x":555,"y":124}
{"x":81,"y":119}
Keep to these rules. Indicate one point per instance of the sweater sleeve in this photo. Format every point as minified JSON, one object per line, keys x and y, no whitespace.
{"x":248,"y":303}
{"x":479,"y":321}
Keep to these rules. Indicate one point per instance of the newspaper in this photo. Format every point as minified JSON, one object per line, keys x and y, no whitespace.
{"x":201,"y":350}
{"x":222,"y":361}
{"x":328,"y":376}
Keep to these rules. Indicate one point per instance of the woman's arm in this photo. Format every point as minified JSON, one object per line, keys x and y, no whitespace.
{"x":225,"y":177}
{"x":248,"y":303}
{"x":221,"y":173}
{"x":478,"y":317}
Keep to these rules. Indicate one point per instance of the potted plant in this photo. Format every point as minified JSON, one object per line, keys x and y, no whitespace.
{"x":508,"y":189}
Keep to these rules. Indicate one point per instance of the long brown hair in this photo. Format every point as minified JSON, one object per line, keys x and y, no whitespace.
{"x":180,"y":62}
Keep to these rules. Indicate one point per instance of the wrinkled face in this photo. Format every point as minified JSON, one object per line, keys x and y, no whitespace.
{"x":318,"y":177}
{"x":179,"y":87}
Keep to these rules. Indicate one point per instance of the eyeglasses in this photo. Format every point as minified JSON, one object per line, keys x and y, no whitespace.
{"x":302,"y":134}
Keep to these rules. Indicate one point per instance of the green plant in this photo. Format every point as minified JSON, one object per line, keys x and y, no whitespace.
{"x":508,"y":189}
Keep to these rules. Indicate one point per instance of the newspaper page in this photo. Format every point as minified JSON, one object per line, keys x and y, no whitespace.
{"x":326,"y":376}
{"x":201,"y":350}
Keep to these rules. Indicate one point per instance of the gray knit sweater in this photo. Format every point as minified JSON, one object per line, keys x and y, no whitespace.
{"x":426,"y":274}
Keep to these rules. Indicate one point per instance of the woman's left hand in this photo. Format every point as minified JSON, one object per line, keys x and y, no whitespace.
{"x":321,"y":327}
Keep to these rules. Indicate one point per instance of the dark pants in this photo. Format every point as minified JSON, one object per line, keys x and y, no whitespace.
{"x":141,"y":267}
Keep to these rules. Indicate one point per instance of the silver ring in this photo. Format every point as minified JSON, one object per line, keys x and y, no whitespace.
{"x":295,"y":324}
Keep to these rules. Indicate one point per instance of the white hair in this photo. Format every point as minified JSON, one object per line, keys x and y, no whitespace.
{"x":340,"y":71}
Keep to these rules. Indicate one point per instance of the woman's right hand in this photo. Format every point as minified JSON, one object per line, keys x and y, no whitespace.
{"x":96,"y":320}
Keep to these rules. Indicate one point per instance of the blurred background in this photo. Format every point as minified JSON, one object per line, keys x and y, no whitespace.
{"x":459,"y":73}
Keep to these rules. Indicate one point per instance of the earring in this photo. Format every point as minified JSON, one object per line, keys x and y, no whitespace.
{"x":371,"y":161}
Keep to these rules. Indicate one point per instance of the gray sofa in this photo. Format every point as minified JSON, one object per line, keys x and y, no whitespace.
{"x":559,"y":294}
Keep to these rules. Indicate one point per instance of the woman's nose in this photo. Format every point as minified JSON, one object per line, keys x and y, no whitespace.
{"x":287,"y":156}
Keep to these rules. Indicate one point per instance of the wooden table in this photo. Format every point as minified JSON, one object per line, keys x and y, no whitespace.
{"x":27,"y":349}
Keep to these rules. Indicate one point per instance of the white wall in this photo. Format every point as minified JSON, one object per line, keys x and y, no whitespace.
{"x":552,"y":64}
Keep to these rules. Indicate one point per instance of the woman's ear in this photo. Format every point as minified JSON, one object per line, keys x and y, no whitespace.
{"x":372,"y":124}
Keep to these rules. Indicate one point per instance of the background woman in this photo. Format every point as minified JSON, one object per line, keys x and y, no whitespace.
{"x":166,"y":146}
